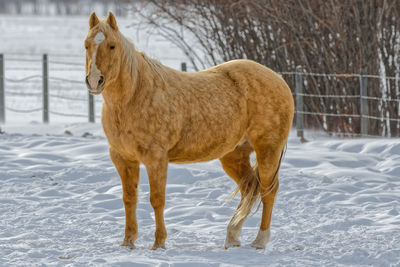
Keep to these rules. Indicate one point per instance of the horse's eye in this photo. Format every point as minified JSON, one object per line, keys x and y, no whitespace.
{"x":86,"y":47}
{"x":112,"y":47}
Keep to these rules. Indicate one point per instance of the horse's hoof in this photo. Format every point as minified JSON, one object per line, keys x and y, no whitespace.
{"x":231,"y":244}
{"x":157,"y":246}
{"x":128,"y":243}
{"x":257,"y":245}
{"x":262,"y":239}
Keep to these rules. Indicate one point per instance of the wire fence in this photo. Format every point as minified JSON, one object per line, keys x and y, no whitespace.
{"x":346,"y":104}
{"x":22,"y":88}
{"x":337,"y":112}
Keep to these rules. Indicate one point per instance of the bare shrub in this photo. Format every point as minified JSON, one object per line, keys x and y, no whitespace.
{"x":321,"y":36}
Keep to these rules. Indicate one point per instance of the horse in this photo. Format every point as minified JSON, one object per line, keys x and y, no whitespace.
{"x":153,"y":115}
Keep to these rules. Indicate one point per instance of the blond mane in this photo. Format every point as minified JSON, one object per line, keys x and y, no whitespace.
{"x":155,"y":65}
{"x":130,"y":56}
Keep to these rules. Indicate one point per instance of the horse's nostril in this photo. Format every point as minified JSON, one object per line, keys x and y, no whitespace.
{"x":101,"y":80}
{"x":87,"y":79}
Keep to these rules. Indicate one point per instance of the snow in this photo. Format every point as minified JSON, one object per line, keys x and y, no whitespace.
{"x":61,"y":203}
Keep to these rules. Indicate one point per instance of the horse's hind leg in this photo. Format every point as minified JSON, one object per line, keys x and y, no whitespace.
{"x":268,"y":153}
{"x":237,"y":165}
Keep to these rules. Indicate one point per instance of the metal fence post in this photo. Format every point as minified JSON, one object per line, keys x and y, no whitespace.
{"x":2,"y":94}
{"x":299,"y":103}
{"x":91,"y":107}
{"x":363,"y":104}
{"x":183,"y":66}
{"x":45,"y":89}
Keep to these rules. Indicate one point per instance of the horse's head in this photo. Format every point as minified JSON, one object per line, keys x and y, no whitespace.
{"x":103,"y":53}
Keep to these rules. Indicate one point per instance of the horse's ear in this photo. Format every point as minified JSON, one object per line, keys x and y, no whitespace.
{"x":111,"y":21}
{"x":93,"y":20}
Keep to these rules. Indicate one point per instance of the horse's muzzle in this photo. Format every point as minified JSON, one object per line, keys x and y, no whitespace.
{"x":95,"y":84}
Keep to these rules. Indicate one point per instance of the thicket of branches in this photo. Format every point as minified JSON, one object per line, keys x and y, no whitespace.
{"x":331,"y":36}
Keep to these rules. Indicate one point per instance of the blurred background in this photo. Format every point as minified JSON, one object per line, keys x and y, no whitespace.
{"x":341,"y":58}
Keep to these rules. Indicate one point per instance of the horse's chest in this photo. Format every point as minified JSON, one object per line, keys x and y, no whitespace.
{"x":120,"y":135}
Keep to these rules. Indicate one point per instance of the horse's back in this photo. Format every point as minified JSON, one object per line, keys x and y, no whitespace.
{"x":257,"y":79}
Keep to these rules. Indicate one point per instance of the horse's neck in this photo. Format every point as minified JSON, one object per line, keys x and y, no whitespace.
{"x":121,"y":90}
{"x":129,"y":88}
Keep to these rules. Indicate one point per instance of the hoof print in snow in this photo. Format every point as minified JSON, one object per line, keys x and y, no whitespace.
{"x":65,"y":258}
{"x":68,"y":133}
{"x":303,"y":140}
{"x":298,"y":248}
{"x":87,"y":134}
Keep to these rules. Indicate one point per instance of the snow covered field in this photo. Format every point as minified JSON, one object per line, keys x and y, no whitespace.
{"x":60,"y":203}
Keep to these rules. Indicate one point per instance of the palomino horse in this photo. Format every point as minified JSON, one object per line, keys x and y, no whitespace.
{"x":154,"y":115}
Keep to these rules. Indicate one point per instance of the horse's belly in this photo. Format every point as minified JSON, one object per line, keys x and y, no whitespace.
{"x":195,"y":149}
{"x":196,"y":155}
{"x":211,"y":133}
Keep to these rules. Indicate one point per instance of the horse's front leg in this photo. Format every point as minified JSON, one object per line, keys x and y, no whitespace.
{"x":129,"y":173}
{"x":157,"y":171}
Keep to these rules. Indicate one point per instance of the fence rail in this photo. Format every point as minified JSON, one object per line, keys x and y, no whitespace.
{"x":54,"y":64}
